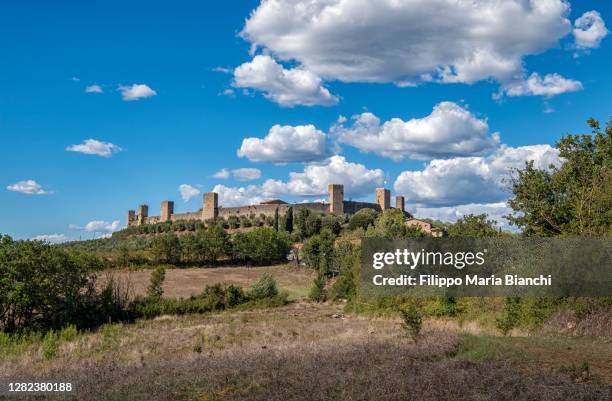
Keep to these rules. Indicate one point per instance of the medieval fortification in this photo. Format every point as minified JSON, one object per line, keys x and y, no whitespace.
{"x":335,"y":204}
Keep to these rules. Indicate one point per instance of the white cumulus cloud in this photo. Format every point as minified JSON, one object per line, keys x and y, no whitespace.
{"x":547,"y":86}
{"x":357,"y":179}
{"x":52,"y":238}
{"x":98,"y":226}
{"x":246,"y":174}
{"x":589,"y":30}
{"x":288,"y":144}
{"x":187,"y":192}
{"x":465,"y":180}
{"x":239,"y":196}
{"x":95,"y":147}
{"x":287,"y":87}
{"x":495,"y":211}
{"x":136,"y":92}
{"x":28,"y":187}
{"x":450,"y":130}
{"x":407,"y":42}
{"x":94,"y":89}
{"x":222,"y":174}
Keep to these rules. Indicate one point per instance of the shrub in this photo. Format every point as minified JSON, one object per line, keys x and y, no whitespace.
{"x":49,"y":345}
{"x":233,"y":222}
{"x":155,"y":289}
{"x":347,"y":262}
{"x":317,"y":291}
{"x":265,"y":287}
{"x":412,"y":320}
{"x":318,"y":252}
{"x":510,"y":316}
{"x":68,"y":333}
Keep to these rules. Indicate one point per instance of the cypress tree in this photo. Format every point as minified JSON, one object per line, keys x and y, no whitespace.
{"x":276,"y":219}
{"x":289,"y":220}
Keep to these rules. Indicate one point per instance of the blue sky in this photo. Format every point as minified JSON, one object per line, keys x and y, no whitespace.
{"x":213,"y":74}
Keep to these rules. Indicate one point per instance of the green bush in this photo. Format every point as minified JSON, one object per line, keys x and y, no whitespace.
{"x":155,"y":289}
{"x":317,"y":291}
{"x":347,"y":263}
{"x":68,"y":333}
{"x":265,"y":287}
{"x":511,"y":315}
{"x":49,"y":345}
{"x":412,"y":320}
{"x":318,"y":252}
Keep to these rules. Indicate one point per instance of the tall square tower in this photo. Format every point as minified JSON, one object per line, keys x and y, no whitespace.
{"x":336,"y":198}
{"x":400,"y":202}
{"x":211,"y":208}
{"x":383,"y":198}
{"x":167,"y":210}
{"x":143,"y":213}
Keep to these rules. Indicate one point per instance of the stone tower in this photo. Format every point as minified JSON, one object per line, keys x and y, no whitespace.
{"x":167,"y":210}
{"x":383,"y":198}
{"x":131,"y":218}
{"x":143,"y":213}
{"x":210,"y":209}
{"x":400,"y":202}
{"x":336,"y":198}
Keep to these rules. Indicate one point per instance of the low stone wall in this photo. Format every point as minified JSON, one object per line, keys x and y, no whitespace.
{"x":186,"y":216}
{"x":350,"y":207}
{"x":268,"y":210}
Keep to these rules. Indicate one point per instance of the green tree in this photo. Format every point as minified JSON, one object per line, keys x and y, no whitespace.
{"x":332,"y":223}
{"x":363,"y":218}
{"x":123,"y":257}
{"x":392,"y":224}
{"x":155,"y":289}
{"x":276,"y":219}
{"x":572,"y":199}
{"x":289,"y":220}
{"x":318,"y":252}
{"x":346,"y":261}
{"x":214,"y":243}
{"x":300,"y":221}
{"x":41,"y":286}
{"x":317,"y":291}
{"x":166,"y":248}
{"x":190,"y":249}
{"x":473,"y":225}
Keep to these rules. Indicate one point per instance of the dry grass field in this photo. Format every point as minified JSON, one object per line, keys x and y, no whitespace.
{"x":186,"y":282}
{"x":306,"y":351}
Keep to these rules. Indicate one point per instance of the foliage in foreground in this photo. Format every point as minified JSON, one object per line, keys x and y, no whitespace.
{"x":572,"y":199}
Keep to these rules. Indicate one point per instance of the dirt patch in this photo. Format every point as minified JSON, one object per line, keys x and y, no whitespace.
{"x":191,"y":281}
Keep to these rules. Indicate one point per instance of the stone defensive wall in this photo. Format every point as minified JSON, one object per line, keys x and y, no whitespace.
{"x":210,"y":208}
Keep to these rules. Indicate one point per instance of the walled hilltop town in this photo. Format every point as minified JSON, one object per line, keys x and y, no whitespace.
{"x":335,"y":204}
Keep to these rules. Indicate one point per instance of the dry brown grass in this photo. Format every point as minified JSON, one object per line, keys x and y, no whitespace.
{"x":299,"y":352}
{"x":187,"y":282}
